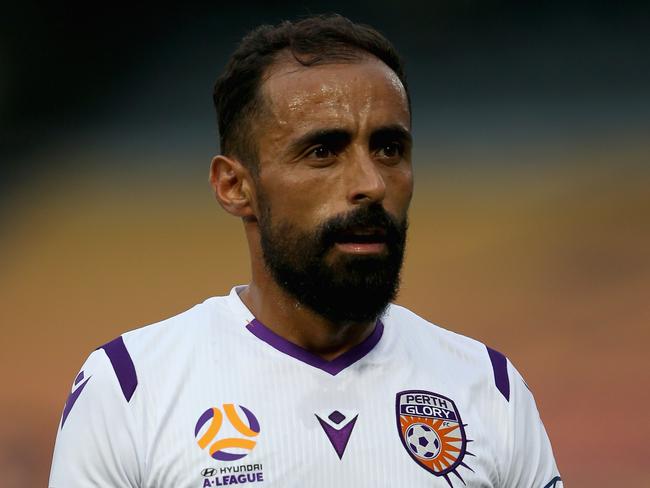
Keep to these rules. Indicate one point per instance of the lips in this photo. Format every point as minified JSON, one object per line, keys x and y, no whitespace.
{"x":366,"y":230}
{"x":362,"y":241}
{"x":371,"y":235}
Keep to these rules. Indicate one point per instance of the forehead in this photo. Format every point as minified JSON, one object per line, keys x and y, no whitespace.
{"x":339,"y":92}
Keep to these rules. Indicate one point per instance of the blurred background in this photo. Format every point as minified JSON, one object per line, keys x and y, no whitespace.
{"x":530,"y":227}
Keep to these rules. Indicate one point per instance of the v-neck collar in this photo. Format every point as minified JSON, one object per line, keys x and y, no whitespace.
{"x":333,"y":367}
{"x":279,"y":343}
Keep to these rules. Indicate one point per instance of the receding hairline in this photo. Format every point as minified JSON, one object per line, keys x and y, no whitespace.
{"x":287,"y":58}
{"x":303,"y":62}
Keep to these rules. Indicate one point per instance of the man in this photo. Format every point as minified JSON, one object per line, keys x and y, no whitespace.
{"x":307,"y":376}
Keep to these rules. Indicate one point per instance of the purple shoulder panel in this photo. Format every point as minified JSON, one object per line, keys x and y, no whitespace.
{"x":122,"y":365}
{"x":500,"y":369}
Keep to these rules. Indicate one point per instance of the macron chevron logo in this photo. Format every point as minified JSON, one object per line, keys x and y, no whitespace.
{"x":338,"y":429}
{"x":74,"y":395}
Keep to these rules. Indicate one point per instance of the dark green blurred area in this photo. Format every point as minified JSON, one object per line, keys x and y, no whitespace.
{"x":484,"y":73}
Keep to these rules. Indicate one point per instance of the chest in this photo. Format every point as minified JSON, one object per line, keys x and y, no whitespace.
{"x":285,"y":425}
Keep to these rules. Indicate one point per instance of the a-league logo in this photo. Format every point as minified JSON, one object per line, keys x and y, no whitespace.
{"x":227,"y":447}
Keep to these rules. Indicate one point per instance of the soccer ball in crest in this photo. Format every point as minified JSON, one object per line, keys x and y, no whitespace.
{"x":423,"y":441}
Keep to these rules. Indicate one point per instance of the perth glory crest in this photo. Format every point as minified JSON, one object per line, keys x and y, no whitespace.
{"x":432,"y":432}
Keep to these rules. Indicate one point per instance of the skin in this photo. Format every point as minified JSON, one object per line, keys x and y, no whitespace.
{"x":361,"y":154}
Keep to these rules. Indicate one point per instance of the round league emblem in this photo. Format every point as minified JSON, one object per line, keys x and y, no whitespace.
{"x":228,"y":439}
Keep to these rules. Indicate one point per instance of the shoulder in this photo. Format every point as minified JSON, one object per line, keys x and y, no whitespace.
{"x":180,"y":333}
{"x":155,"y":358}
{"x":416,"y":329}
{"x":191,"y":322}
{"x":162,"y":348}
{"x":465,"y":356}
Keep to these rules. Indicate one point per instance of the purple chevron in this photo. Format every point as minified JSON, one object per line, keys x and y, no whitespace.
{"x":74,"y":395}
{"x":500,"y":369}
{"x":338,"y":437}
{"x":122,"y":365}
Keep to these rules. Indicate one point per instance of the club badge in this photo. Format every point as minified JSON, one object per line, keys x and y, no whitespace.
{"x":432,"y":432}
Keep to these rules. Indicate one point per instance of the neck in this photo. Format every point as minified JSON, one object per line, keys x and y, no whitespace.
{"x":287,"y":317}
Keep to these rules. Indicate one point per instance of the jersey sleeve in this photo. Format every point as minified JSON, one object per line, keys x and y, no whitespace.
{"x":530,"y":456}
{"x":97,"y":441}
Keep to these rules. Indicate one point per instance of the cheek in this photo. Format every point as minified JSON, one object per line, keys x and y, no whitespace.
{"x":306,"y":198}
{"x":399,"y":191}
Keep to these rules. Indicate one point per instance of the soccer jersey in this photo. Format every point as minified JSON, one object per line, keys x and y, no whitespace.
{"x":212,"y":397}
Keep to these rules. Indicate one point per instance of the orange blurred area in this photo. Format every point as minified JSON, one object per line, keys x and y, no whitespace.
{"x":548,"y":263}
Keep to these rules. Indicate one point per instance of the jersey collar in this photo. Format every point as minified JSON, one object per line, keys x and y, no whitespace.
{"x":333,"y":367}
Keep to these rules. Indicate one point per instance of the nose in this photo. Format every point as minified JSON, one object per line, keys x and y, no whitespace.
{"x":365,"y":181}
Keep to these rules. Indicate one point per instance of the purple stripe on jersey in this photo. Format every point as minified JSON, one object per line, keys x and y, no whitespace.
{"x":73,"y":398}
{"x":122,"y":365}
{"x":500,"y":368}
{"x":553,"y":482}
{"x":333,"y":367}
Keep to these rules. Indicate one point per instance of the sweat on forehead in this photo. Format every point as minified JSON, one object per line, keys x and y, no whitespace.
{"x":289,"y":83}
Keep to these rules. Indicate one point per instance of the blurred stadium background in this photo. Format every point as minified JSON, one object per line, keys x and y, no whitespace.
{"x":530,"y":225}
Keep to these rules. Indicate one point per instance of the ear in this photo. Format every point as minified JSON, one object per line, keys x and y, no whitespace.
{"x":233,"y":186}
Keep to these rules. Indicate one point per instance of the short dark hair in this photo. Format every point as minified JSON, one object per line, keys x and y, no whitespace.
{"x":312,"y":41}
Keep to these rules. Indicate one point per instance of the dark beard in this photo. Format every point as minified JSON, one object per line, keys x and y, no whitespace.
{"x":350,"y":289}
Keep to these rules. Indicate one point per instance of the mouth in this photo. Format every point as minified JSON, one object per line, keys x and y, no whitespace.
{"x":362,"y":240}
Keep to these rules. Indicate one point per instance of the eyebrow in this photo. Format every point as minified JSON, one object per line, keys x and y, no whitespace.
{"x":391,"y":133}
{"x":339,"y":138}
{"x":328,"y":137}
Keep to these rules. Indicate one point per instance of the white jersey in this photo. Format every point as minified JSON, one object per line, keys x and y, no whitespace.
{"x":212,"y":397}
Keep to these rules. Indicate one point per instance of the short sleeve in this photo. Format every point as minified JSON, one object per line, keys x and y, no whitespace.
{"x":97,"y":442}
{"x":531,"y":460}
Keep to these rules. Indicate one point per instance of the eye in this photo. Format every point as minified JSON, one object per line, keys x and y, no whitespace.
{"x":321,"y":152}
{"x":391,"y":150}
{"x":320,"y":156}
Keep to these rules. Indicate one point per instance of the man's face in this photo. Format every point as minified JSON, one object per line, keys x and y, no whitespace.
{"x":334,"y":184}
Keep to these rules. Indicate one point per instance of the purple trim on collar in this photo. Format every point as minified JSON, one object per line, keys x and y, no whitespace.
{"x":122,"y":365}
{"x":500,"y":369}
{"x":333,"y":367}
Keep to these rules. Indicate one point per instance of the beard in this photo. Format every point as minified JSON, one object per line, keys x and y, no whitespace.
{"x":342,"y":288}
